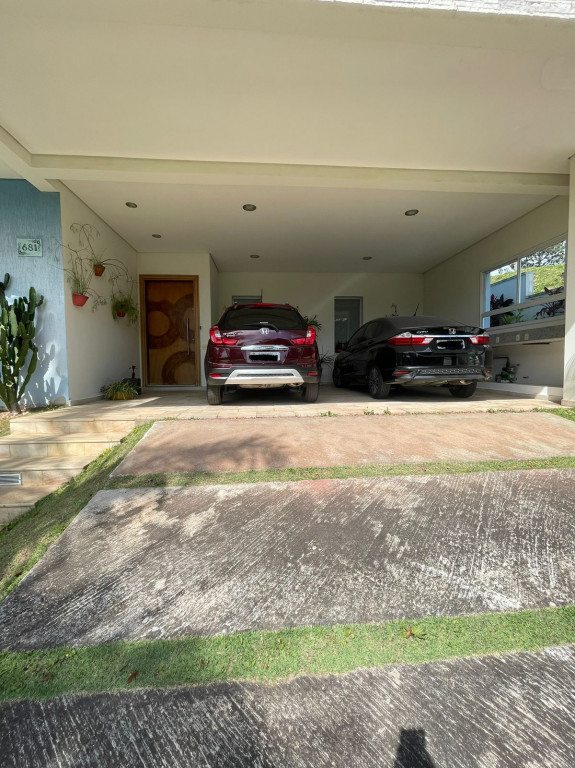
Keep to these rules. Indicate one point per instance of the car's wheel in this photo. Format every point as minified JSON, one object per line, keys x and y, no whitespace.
{"x":376,"y":385}
{"x":310,"y":392}
{"x":463,"y":390}
{"x":214,"y":395}
{"x":337,"y":378}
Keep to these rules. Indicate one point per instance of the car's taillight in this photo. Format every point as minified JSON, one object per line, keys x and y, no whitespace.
{"x":407,"y":339}
{"x":309,"y":338}
{"x":217,"y":338}
{"x":215,"y":335}
{"x":479,"y":339}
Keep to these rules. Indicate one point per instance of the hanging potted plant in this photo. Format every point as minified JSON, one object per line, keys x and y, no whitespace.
{"x":79,"y":275}
{"x":123,"y":306}
{"x":122,"y":299}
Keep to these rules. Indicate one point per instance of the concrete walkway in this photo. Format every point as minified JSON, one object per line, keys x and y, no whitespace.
{"x":160,"y":563}
{"x":506,"y":712}
{"x":191,"y":403}
{"x":257,"y":444}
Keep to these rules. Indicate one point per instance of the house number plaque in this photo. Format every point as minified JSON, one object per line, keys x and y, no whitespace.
{"x":29,"y":246}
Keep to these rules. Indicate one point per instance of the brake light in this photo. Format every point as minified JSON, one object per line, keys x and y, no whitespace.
{"x":215,"y":335}
{"x":407,"y":339}
{"x":479,"y":339}
{"x":309,"y":338}
{"x":217,"y":338}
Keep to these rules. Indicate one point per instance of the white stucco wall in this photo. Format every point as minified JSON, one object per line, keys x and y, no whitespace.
{"x":453,"y":288}
{"x":313,"y":294}
{"x":214,"y":291}
{"x":100,"y":349}
{"x":198,"y":264}
{"x":540,"y":365}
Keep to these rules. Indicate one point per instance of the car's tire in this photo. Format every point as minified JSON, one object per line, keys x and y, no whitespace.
{"x":337,"y":378}
{"x":214,"y":395}
{"x":310,"y":392}
{"x":378,"y":389}
{"x":463,"y":390}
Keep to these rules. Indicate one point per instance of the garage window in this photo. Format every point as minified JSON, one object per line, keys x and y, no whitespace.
{"x":528,"y":289}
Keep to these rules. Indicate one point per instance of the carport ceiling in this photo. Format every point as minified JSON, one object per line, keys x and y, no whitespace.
{"x":302,"y":229}
{"x":88,"y":88}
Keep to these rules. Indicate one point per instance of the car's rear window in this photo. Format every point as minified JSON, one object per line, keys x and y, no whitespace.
{"x":241,"y":318}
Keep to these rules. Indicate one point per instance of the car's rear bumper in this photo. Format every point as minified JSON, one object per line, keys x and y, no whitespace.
{"x":260,"y":377}
{"x":437,"y":376}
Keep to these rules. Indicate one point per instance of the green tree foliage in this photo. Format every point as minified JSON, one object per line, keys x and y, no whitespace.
{"x":17,"y":331}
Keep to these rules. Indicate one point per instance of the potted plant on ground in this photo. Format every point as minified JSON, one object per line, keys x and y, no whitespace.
{"x":119,"y":390}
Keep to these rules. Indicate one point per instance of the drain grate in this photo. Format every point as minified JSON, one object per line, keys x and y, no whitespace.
{"x":10,"y":478}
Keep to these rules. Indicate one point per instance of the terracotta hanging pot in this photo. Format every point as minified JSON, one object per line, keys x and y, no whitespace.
{"x":120,"y":314}
{"x":78,"y":299}
{"x":99,"y":270}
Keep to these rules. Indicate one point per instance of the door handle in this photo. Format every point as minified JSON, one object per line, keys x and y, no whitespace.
{"x":188,"y":334}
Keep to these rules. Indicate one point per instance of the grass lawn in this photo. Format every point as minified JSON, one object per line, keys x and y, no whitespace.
{"x":273,"y":656}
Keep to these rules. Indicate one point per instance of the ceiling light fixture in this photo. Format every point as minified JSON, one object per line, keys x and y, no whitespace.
{"x":254,"y":256}
{"x":156,"y":235}
{"x":367,"y":258}
{"x":131,"y":205}
{"x":249,"y":207}
{"x":412,"y":212}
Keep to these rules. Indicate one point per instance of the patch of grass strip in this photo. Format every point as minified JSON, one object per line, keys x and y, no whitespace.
{"x":565,"y":413}
{"x":25,"y":540}
{"x":273,"y":656}
{"x":321,"y":473}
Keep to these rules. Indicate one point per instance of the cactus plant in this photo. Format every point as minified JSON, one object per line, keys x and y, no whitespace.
{"x":17,"y":331}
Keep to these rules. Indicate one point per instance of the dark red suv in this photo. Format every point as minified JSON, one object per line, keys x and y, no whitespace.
{"x":261,"y":346}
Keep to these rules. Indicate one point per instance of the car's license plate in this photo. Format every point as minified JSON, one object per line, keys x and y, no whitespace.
{"x":265,"y":356}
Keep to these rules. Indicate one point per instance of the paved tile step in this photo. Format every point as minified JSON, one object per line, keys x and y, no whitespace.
{"x":53,"y":426}
{"x":39,"y":470}
{"x":15,"y":501}
{"x":78,"y":444}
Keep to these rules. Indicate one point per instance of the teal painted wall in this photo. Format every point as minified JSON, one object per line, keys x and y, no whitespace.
{"x":26,"y":212}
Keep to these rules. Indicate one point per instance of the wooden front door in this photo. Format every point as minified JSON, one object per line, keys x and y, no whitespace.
{"x":170,"y":332}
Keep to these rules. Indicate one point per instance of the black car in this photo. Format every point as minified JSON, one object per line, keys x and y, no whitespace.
{"x":414,"y":351}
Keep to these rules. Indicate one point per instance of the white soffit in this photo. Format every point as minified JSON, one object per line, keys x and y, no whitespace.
{"x":7,"y":173}
{"x":302,"y":229}
{"x":288,"y":82}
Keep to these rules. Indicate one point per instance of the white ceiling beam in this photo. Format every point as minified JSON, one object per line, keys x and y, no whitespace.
{"x":17,"y":157}
{"x":150,"y":171}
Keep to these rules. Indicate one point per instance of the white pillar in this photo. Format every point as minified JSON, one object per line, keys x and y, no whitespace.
{"x":569,"y":371}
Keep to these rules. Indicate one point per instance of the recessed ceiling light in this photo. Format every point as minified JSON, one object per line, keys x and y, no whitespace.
{"x":367,"y":258}
{"x":156,"y":235}
{"x":254,"y":256}
{"x":249,"y":207}
{"x":131,"y":205}
{"x":412,"y":212}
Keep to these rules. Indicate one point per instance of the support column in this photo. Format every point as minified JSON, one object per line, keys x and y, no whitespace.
{"x":569,"y":371}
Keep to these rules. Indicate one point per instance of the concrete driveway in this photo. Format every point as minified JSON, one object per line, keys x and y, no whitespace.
{"x":161,"y":563}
